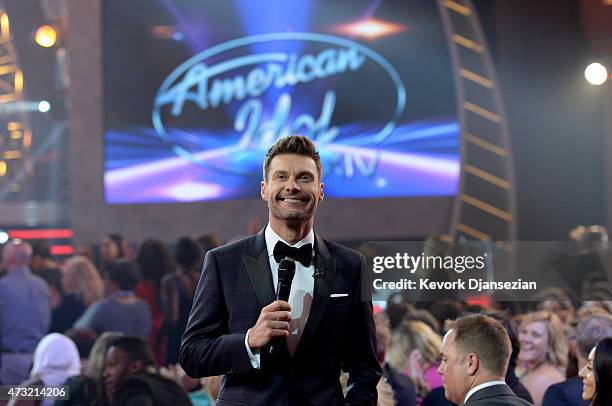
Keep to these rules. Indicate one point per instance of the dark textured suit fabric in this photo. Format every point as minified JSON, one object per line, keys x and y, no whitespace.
{"x":496,"y":395}
{"x":236,"y":284}
{"x":566,"y":393}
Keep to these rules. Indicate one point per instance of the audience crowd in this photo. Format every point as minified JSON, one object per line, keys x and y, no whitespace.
{"x":109,"y":326}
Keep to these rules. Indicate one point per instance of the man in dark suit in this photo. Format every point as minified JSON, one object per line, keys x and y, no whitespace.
{"x":325,"y":326}
{"x":475,"y":355}
{"x":589,"y":331}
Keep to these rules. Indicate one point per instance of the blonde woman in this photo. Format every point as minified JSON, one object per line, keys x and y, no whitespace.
{"x":414,"y":349}
{"x":78,"y":287}
{"x":81,"y":278}
{"x":543,"y":356}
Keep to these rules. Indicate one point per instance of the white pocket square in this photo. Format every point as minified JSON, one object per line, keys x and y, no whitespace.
{"x":338,"y":295}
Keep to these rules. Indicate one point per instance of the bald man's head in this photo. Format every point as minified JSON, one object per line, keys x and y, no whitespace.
{"x":16,"y":254}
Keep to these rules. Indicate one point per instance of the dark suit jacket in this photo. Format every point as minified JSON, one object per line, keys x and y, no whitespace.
{"x":566,"y":393}
{"x":496,"y":395}
{"x":236,"y":283}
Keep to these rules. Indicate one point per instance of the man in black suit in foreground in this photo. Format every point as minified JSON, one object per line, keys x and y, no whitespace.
{"x":324,"y":327}
{"x":475,"y":354}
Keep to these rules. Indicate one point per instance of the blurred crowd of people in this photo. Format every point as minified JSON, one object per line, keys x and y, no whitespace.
{"x":93,"y":321}
{"x":549,"y":363}
{"x":110,"y":325}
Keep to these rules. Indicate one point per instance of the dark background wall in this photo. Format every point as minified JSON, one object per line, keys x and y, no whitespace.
{"x":555,"y":117}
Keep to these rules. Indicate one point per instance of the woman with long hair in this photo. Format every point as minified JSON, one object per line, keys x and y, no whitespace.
{"x":81,"y":278}
{"x":111,"y":248}
{"x":543,"y":355}
{"x":413,"y":350}
{"x":597,"y":374}
{"x":76,"y":287}
{"x":88,"y":388}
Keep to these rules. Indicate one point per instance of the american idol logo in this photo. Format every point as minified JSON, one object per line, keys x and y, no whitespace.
{"x":258,"y":81}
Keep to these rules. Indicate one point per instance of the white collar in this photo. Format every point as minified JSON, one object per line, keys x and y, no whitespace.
{"x":482,"y":386}
{"x":272,"y":238}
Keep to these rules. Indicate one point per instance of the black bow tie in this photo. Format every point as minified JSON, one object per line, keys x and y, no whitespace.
{"x":302,"y":254}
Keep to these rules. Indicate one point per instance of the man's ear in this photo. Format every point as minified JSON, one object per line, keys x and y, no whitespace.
{"x":135,"y":366}
{"x":321,"y":192}
{"x":473,"y":363}
{"x":264,"y":190}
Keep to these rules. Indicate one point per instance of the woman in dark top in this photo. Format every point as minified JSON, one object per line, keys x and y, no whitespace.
{"x":111,"y":249}
{"x":65,"y":308}
{"x":177,"y":295}
{"x":79,"y":285}
{"x":597,"y":375}
{"x":155,"y":261}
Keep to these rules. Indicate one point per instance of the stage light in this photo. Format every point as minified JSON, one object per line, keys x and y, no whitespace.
{"x":4,"y":237}
{"x":596,"y":74}
{"x":44,"y":106}
{"x":46,"y":36}
{"x":371,"y":29}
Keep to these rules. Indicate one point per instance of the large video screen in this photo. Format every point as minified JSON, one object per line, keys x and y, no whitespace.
{"x":197,"y":91}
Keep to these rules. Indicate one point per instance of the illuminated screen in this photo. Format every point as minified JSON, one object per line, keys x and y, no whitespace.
{"x":197,"y":91}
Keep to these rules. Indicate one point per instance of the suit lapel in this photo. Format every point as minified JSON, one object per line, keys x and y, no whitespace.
{"x":326,"y":265}
{"x":257,"y":266}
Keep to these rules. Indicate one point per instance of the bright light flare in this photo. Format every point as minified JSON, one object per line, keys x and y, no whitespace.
{"x":44,"y":106}
{"x":596,"y":74}
{"x":166,"y":32}
{"x":370,"y":29}
{"x":45,"y":36}
{"x":4,"y":237}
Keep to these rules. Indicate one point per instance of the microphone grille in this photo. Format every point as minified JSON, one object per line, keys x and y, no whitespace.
{"x":286,"y":270}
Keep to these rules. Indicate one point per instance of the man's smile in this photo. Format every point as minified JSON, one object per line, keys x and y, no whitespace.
{"x":293,"y":199}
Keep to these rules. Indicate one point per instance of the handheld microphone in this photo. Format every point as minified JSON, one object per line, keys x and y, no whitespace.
{"x":286,"y":272}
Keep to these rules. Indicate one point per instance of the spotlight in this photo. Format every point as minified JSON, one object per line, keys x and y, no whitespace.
{"x":46,"y":36}
{"x":370,"y":29}
{"x":4,"y":237}
{"x":596,"y":74}
{"x":44,"y":106}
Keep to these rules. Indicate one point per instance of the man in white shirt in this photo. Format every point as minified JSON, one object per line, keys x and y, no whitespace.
{"x":325,"y":326}
{"x":474,"y":359}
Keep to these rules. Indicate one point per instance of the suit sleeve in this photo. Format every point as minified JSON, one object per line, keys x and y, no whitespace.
{"x":360,"y":359}
{"x":553,"y":397}
{"x":208,"y":348}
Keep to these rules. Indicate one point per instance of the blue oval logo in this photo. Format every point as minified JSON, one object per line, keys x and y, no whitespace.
{"x":220,"y":76}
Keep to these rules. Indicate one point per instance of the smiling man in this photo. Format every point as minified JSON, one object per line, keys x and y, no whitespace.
{"x":326,"y":326}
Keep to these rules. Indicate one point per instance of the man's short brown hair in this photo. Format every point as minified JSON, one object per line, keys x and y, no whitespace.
{"x":293,"y":144}
{"x":485,"y":337}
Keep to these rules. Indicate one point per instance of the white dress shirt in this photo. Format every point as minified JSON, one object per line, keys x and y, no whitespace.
{"x":481,"y":386}
{"x":300,"y":297}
